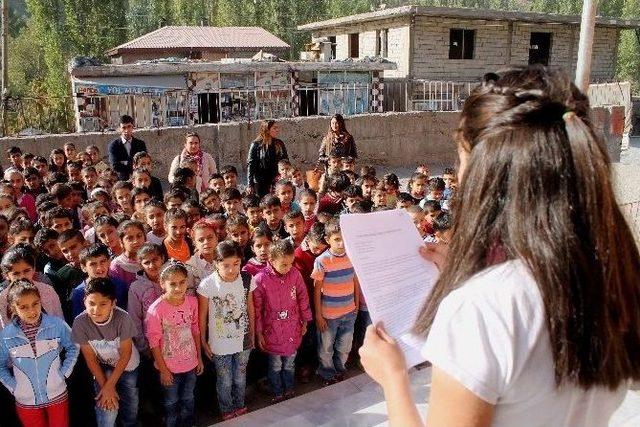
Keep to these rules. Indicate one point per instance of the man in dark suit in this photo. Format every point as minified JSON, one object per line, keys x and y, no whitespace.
{"x":122,"y":150}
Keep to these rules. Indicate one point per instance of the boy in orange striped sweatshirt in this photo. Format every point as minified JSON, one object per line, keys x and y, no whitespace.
{"x":336,"y":298}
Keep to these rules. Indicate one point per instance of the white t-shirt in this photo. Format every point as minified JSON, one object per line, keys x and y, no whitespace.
{"x":228,"y":315}
{"x":491,"y":336}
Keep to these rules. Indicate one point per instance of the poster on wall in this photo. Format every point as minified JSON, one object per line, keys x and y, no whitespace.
{"x":345,"y":93}
{"x":272,"y":95}
{"x":273,"y":79}
{"x":205,"y":82}
{"x":156,"y":115}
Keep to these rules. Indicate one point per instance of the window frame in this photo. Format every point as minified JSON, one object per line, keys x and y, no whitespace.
{"x":466,"y":37}
{"x":354,"y":37}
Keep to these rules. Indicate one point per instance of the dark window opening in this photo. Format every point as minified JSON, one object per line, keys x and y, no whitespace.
{"x":208,"y":111}
{"x":354,"y":45}
{"x":382,"y":43}
{"x":332,"y":39}
{"x":540,"y":48}
{"x":461,"y":43}
{"x":308,"y":96}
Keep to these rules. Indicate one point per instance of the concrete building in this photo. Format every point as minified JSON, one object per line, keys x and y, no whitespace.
{"x":178,"y":93}
{"x":460,"y":45}
{"x":198,"y":43}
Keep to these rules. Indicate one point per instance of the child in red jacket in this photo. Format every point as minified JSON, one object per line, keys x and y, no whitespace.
{"x":304,"y":258}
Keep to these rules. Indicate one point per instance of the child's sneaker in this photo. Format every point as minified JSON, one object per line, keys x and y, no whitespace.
{"x":228,"y":415}
{"x":241,"y":411}
{"x":277,"y":399}
{"x":289,"y":394}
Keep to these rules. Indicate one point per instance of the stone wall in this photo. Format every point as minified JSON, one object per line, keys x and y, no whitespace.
{"x":388,"y":139}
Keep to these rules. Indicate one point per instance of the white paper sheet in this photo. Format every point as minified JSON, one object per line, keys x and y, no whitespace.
{"x":395,"y":279}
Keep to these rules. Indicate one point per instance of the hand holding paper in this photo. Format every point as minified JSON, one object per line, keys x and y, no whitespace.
{"x":395,"y":280}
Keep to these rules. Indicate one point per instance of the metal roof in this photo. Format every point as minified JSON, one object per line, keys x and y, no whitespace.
{"x":466,"y":13}
{"x":204,"y":38}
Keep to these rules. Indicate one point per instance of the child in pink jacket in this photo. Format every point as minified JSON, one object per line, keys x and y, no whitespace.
{"x":282,"y":312}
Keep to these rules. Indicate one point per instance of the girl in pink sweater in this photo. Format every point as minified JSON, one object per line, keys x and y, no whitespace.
{"x":282,"y":312}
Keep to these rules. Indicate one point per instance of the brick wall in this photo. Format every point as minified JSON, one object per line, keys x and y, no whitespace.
{"x":367,"y":43}
{"x":398,"y":44}
{"x":342,"y":46}
{"x":605,"y":51}
{"x":431,"y":49}
{"x":398,"y":41}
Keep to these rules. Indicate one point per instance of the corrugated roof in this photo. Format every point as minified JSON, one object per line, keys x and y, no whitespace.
{"x":466,"y":13}
{"x":222,"y":38}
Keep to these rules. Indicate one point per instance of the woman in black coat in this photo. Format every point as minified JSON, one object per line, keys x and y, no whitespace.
{"x":264,"y":154}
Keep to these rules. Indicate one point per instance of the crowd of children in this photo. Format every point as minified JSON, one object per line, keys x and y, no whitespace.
{"x":154,"y":288}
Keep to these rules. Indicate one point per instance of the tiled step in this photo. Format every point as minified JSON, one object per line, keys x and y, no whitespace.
{"x":359,"y":402}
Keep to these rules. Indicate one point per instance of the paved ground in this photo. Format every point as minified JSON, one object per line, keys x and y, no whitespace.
{"x":358,"y":402}
{"x":631,"y":156}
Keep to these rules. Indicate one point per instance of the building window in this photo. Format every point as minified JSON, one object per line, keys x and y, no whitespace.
{"x":332,"y":40}
{"x":461,"y":43}
{"x":540,"y":48}
{"x":382,"y":43}
{"x":354,"y":45}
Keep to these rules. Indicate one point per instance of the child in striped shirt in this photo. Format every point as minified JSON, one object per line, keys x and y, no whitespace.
{"x":336,"y":298}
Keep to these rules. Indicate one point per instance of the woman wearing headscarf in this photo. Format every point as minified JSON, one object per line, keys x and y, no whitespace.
{"x":192,"y":149}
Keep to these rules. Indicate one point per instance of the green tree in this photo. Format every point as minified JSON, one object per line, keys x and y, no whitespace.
{"x":45,"y":34}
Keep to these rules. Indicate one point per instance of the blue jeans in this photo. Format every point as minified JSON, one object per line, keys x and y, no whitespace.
{"x":334,"y":345}
{"x":231,"y":372}
{"x":127,"y":388}
{"x":179,"y":403}
{"x":281,"y":373}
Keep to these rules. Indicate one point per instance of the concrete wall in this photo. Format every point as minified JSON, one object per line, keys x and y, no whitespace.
{"x":383,"y":140}
{"x":388,"y":139}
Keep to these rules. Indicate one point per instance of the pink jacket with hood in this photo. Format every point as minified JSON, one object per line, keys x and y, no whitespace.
{"x":281,"y":305}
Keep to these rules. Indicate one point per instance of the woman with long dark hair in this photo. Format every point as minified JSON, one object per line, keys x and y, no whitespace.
{"x":338,"y":141}
{"x":535,"y":318}
{"x":264,"y":154}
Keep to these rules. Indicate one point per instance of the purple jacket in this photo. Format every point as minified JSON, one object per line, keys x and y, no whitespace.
{"x":281,"y":304}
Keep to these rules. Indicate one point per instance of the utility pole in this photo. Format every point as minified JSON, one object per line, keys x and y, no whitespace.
{"x":587,"y":25}
{"x":5,"y":71}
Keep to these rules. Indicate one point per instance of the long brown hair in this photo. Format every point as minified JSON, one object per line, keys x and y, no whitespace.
{"x":342,"y":128}
{"x":537,"y":186}
{"x":263,"y":132}
{"x":265,"y":137}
